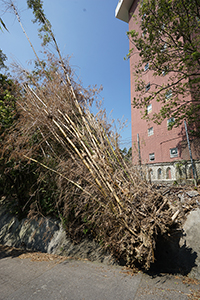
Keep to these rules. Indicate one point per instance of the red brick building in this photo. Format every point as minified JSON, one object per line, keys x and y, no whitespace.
{"x":160,"y":149}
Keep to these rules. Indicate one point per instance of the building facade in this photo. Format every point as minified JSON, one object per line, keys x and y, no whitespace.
{"x":164,"y":152}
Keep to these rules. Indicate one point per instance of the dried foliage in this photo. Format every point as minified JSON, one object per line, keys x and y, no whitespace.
{"x":98,"y":193}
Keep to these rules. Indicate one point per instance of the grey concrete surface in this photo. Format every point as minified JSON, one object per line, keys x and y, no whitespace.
{"x":179,"y":253}
{"x":23,"y":279}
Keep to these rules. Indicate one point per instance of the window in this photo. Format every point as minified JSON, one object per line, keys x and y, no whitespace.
{"x":151,"y":156}
{"x":168,"y":173}
{"x":164,"y":47}
{"x":165,"y":71}
{"x":159,"y":173}
{"x":170,"y":122}
{"x":146,"y":67}
{"x":149,"y":108}
{"x":162,"y":28}
{"x":198,"y":21}
{"x":144,"y":32}
{"x":173,"y":152}
{"x":144,"y":16}
{"x":150,"y":174}
{"x":168,"y":94}
{"x":190,"y":172}
{"x":150,"y":131}
{"x":148,"y":86}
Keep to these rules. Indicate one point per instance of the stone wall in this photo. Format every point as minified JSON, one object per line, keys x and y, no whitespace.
{"x":47,"y":235}
{"x":179,"y":253}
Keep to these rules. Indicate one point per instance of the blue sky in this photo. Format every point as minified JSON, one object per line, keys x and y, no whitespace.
{"x":88,"y":31}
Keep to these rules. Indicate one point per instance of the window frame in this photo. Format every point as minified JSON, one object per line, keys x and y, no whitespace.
{"x":147,"y":87}
{"x":164,"y":48}
{"x":151,"y":156}
{"x":150,"y":131}
{"x":173,"y":155}
{"x":165,"y":71}
{"x":146,"y":67}
{"x":168,"y":94}
{"x":149,"y":108}
{"x":169,"y":121}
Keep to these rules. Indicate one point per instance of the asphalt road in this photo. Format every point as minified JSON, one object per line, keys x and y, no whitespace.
{"x":25,"y":276}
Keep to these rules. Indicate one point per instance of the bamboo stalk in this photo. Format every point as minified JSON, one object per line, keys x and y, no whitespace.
{"x":58,"y":173}
{"x":81,"y":157}
{"x":19,"y":21}
{"x":95,"y":164}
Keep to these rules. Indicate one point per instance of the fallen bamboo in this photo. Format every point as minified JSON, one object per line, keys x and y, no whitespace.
{"x":96,"y":184}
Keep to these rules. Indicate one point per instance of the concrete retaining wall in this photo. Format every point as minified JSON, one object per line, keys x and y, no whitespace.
{"x":178,"y":253}
{"x":47,"y":235}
